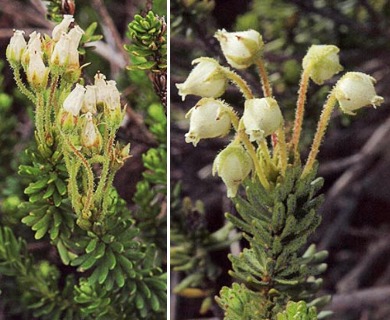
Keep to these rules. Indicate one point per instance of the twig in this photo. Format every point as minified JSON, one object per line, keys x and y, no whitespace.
{"x":109,"y":23}
{"x":360,"y":299}
{"x":373,"y":147}
{"x":377,"y":252}
{"x":108,"y":53}
{"x":24,"y":13}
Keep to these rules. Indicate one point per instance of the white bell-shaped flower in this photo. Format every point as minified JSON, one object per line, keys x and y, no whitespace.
{"x":74,"y":101}
{"x":323,"y":61}
{"x":35,"y":42}
{"x":89,"y":103}
{"x":355,"y":90}
{"x":75,"y":35}
{"x":62,"y":27}
{"x":207,"y":79}
{"x":233,"y":165}
{"x":37,"y":72}
{"x":208,"y":119}
{"x":261,"y":118}
{"x":101,"y":88}
{"x":113,"y":98}
{"x":90,"y":135}
{"x":60,"y":55}
{"x":241,"y":49}
{"x":16,"y":47}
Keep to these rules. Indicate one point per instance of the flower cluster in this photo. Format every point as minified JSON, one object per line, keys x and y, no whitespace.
{"x":79,"y":120}
{"x":262,"y":117}
{"x":42,"y":55}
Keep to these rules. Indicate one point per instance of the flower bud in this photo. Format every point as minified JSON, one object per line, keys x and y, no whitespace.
{"x":208,"y":119}
{"x":75,"y":36}
{"x":323,"y":61}
{"x":113,"y":97}
{"x":34,"y":45}
{"x":207,"y":80}
{"x":60,"y":55}
{"x":261,"y":118}
{"x":62,"y":27}
{"x":74,"y":100}
{"x":233,"y":165}
{"x":113,"y":104}
{"x":100,"y":83}
{"x":90,"y":135}
{"x":89,"y":103}
{"x":16,"y":47}
{"x":37,"y":73}
{"x":355,"y":90}
{"x":241,"y":49}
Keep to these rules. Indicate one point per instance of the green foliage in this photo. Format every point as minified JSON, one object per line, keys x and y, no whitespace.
{"x":298,"y":311}
{"x":277,"y":224}
{"x":48,"y":206}
{"x":54,"y":10}
{"x":241,"y":303}
{"x":192,"y":247}
{"x":150,"y":196}
{"x":148,"y":50}
{"x":149,"y":43}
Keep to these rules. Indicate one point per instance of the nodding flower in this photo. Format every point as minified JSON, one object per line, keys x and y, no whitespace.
{"x":262,"y":117}
{"x":241,"y":49}
{"x":233,"y":165}
{"x":208,"y":120}
{"x":323,"y":62}
{"x":206,"y":80}
{"x":356,"y":90}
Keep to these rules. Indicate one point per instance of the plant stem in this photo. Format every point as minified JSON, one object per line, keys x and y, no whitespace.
{"x":233,"y":118}
{"x":267,"y":90}
{"x":39,"y":118}
{"x":282,"y":147}
{"x":239,"y":82}
{"x":22,"y":87}
{"x":50,"y":108}
{"x":90,"y":177}
{"x":321,"y":129}
{"x":243,"y":137}
{"x":300,"y":110}
{"x":265,"y":151}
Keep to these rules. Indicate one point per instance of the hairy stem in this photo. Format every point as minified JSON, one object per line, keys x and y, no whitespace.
{"x":267,"y":90}
{"x":321,"y":129}
{"x":243,"y":137}
{"x":282,"y":149}
{"x":239,"y":82}
{"x":90,"y":177}
{"x":299,"y":112}
{"x":22,"y":87}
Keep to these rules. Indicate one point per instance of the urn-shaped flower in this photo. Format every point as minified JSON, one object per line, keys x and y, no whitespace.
{"x":261,"y":118}
{"x":74,"y":101}
{"x":241,"y":49}
{"x":207,"y":80}
{"x":208,"y":119}
{"x":233,"y":165}
{"x":356,"y":90}
{"x":322,"y":62}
